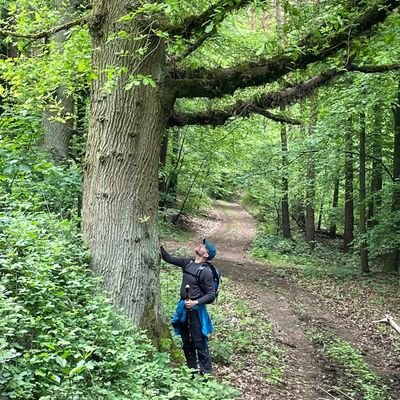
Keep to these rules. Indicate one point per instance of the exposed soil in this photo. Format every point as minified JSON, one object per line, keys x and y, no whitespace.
{"x":294,"y":311}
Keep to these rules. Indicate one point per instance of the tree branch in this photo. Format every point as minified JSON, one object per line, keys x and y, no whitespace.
{"x":215,"y":13}
{"x":193,"y":47}
{"x":260,"y":104}
{"x":45,"y":34}
{"x":276,"y":117}
{"x":220,"y":81}
{"x":245,"y":108}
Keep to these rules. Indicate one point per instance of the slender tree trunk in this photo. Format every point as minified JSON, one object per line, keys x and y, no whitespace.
{"x":392,"y":260}
{"x":310,"y":191}
{"x":348,"y":235}
{"x":284,"y":145}
{"x":335,"y":202}
{"x":363,"y":227}
{"x":285,"y":186}
{"x":121,"y":170}
{"x":321,"y":210}
{"x":57,"y":134}
{"x":376,"y":179}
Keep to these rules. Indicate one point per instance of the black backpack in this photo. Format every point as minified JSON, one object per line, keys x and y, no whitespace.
{"x":216,"y":275}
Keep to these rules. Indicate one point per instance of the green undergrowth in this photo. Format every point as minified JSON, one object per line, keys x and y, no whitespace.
{"x":170,"y":231}
{"x":240,"y":336}
{"x":356,"y":379}
{"x":329,"y":271}
{"x":315,"y":263}
{"x":60,"y":338}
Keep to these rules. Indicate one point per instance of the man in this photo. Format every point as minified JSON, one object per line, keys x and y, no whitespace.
{"x":191,"y":319}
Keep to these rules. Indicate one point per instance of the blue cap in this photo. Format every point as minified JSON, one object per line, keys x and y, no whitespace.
{"x":211,"y":249}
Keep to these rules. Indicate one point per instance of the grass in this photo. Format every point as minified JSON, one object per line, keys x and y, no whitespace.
{"x":356,"y":379}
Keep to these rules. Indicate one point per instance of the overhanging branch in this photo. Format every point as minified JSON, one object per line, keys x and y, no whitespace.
{"x":270,"y":100}
{"x":246,"y":108}
{"x":221,"y":81}
{"x":45,"y":34}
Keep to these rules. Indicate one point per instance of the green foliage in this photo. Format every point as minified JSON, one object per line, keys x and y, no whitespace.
{"x":60,"y":337}
{"x":30,"y":182}
{"x":321,"y":261}
{"x":358,"y":373}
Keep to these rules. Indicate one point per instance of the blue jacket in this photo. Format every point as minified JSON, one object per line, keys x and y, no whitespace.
{"x":180,"y":318}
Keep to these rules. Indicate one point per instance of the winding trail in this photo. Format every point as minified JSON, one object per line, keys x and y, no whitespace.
{"x":291,"y":309}
{"x":233,"y":236}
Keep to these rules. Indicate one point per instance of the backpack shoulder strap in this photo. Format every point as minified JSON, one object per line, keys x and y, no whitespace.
{"x":185,"y":270}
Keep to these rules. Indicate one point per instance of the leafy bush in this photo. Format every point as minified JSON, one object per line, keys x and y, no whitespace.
{"x":60,"y":338}
{"x":321,"y":260}
{"x":357,"y":370}
{"x":30,"y":182}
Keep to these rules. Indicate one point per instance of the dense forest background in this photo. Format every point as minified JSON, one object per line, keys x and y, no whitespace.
{"x":122,"y":120}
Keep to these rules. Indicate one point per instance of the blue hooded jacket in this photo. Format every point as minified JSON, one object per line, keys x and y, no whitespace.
{"x":180,"y":318}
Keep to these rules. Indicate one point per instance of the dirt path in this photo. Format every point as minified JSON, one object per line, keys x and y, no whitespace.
{"x":233,"y":236}
{"x":291,"y":309}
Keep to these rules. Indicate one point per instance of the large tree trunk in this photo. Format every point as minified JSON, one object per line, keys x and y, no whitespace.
{"x":121,"y":172}
{"x":57,"y":134}
{"x":348,"y":235}
{"x":376,"y":179}
{"x":392,"y":260}
{"x":363,"y":228}
{"x":310,"y":191}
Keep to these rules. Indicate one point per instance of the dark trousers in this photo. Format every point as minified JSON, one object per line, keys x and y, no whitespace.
{"x":195,"y":344}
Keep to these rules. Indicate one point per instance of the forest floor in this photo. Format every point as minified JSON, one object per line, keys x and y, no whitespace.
{"x":308,"y":316}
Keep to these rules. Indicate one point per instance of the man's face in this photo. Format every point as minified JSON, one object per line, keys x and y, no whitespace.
{"x":201,"y":251}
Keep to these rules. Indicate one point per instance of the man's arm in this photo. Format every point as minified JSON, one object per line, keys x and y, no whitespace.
{"x":178,"y":261}
{"x":207,"y":284}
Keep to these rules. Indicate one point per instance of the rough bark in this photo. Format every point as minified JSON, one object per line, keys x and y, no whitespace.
{"x":121,"y":168}
{"x":57,"y":134}
{"x":392,"y":260}
{"x":162,"y":181}
{"x":363,"y":228}
{"x":348,"y":235}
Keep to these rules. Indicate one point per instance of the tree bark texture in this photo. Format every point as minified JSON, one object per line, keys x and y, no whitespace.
{"x":363,"y":227}
{"x":57,"y":134}
{"x":162,"y":180}
{"x":121,"y":168}
{"x":348,"y":235}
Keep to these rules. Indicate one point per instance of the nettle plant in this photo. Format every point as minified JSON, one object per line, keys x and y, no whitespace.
{"x":60,"y":337}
